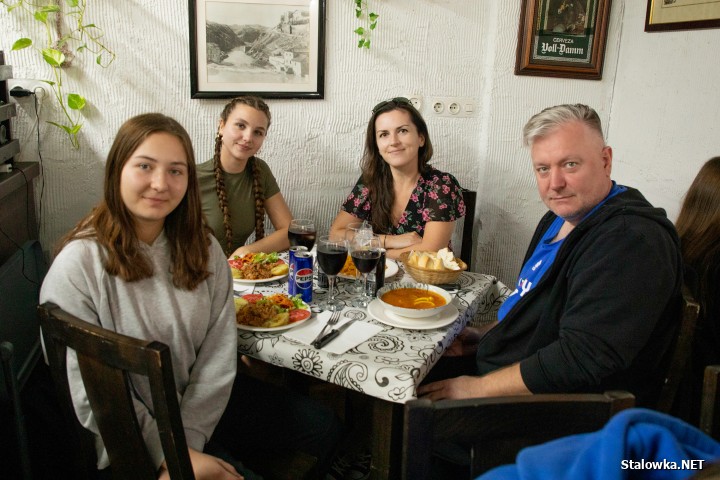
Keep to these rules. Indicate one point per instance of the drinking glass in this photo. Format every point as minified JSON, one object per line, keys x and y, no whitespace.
{"x":350,"y":232}
{"x":365,"y":253}
{"x":332,"y":251}
{"x":302,"y":232}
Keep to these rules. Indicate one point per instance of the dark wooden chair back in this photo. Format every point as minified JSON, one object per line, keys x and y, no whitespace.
{"x":680,"y":359}
{"x":490,"y":432}
{"x":466,"y":246}
{"x":106,"y":360}
{"x":710,"y":403}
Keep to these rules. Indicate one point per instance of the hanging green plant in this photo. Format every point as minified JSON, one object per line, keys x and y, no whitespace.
{"x":58,"y":52}
{"x":362,"y":11}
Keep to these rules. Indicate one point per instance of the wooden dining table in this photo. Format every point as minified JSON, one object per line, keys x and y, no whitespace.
{"x":385,"y":370}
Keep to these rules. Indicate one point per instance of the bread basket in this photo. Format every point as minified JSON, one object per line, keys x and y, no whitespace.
{"x":428,"y":275}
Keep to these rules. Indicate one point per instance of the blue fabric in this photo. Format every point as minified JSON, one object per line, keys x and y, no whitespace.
{"x":617,"y":451}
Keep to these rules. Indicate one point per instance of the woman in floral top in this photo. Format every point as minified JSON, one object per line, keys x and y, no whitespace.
{"x":411,"y":204}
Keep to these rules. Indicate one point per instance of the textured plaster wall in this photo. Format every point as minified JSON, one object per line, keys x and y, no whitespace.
{"x":655,"y":99}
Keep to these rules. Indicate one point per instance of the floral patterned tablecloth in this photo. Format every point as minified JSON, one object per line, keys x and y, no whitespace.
{"x":391,"y":364}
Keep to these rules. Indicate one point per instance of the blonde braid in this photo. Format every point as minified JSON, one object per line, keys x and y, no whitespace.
{"x":259,"y":201}
{"x":222,"y":194}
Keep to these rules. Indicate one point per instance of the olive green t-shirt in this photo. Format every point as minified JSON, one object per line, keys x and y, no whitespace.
{"x":241,"y":201}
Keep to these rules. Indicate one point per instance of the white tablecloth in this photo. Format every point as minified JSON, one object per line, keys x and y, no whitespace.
{"x":389,"y":365}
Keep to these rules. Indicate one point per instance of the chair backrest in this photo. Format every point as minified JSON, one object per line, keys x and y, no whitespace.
{"x":490,"y":432}
{"x":106,"y":359}
{"x":680,"y":359}
{"x":710,"y":403}
{"x":466,"y":245}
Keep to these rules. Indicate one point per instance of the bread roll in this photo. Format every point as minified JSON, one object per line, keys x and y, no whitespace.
{"x":437,"y":264}
{"x":423,"y":260}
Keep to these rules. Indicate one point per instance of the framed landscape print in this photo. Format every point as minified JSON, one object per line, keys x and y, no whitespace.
{"x":665,"y":15}
{"x":268,"y":48}
{"x":562,"y":38}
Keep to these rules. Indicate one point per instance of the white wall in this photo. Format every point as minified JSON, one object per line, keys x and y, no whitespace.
{"x":655,"y":100}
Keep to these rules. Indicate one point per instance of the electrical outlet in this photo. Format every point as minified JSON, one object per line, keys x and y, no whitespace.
{"x":38,"y":87}
{"x":416,"y":101}
{"x":461,"y":107}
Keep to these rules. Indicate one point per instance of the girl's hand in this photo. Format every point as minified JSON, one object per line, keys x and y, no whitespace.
{"x":206,"y":467}
{"x":401,"y":241}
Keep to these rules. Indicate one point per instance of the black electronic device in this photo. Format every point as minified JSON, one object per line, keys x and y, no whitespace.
{"x":8,"y":147}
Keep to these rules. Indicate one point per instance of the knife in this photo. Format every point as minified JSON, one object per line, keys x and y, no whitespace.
{"x":330,"y":336}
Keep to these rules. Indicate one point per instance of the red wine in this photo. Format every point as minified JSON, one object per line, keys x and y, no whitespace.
{"x":331,"y":258}
{"x":365,"y":260}
{"x":303,"y":238}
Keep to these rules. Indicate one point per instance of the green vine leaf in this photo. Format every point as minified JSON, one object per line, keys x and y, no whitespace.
{"x":54,"y":58}
{"x":21,"y":43}
{"x":360,"y":31}
{"x":75,"y":101}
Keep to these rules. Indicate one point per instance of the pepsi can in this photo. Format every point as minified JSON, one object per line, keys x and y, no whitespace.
{"x":304,"y":276}
{"x":291,"y":266}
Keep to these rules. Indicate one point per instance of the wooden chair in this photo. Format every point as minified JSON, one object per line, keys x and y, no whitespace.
{"x":466,"y":246}
{"x":710,"y":403}
{"x":106,"y":360}
{"x":680,"y":360}
{"x":20,"y":280}
{"x":489,"y":432}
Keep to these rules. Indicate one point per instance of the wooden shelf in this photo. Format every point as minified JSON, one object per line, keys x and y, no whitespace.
{"x":9,"y":150}
{"x":7,"y":111}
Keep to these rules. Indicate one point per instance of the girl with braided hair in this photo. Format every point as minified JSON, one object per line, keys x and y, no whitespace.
{"x":237,"y":188}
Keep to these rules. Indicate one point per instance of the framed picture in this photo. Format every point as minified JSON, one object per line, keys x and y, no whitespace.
{"x":562,"y":38}
{"x":268,"y":48}
{"x":663,"y":15}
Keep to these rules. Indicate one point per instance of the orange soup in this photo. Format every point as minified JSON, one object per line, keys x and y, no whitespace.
{"x":416,"y":298}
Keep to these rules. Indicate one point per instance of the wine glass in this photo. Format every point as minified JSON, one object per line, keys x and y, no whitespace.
{"x":365,"y":253}
{"x":351,"y":231}
{"x":332,"y":251}
{"x":302,"y":232}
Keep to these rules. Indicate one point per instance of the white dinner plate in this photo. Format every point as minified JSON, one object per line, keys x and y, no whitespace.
{"x":288,"y":326}
{"x":242,"y":281}
{"x":445,"y":317}
{"x":391,"y":268}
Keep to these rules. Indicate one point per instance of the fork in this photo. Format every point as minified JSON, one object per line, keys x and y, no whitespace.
{"x":331,"y":323}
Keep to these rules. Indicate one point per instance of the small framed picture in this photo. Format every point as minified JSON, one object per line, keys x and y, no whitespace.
{"x":268,"y":48}
{"x":663,"y":15}
{"x":562,"y":38}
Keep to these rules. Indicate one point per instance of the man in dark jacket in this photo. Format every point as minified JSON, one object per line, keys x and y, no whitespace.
{"x":597,"y":303}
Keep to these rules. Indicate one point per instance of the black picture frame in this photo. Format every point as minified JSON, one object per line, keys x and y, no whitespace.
{"x":561,"y":38}
{"x":266,"y":48}
{"x":668,"y":15}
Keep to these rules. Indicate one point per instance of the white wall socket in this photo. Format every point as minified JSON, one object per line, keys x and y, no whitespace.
{"x":416,"y":100}
{"x":452,"y":106}
{"x":30,"y":84}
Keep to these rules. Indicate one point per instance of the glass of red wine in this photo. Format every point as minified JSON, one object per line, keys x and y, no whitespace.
{"x":351,"y":231}
{"x":365,"y":253}
{"x":302,"y":232}
{"x":332,"y":251}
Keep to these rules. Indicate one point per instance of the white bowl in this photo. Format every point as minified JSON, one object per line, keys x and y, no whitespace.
{"x":413,"y":312}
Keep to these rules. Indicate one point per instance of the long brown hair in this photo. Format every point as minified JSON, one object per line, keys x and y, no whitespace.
{"x":258,"y":192}
{"x":111,"y":223}
{"x":376,"y":174}
{"x":698,"y":226}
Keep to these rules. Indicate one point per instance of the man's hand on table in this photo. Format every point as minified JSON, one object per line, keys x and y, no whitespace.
{"x":505,"y":381}
{"x":206,"y":467}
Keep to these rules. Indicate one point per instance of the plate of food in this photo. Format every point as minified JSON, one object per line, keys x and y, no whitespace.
{"x":348,"y":270}
{"x":254,"y":268}
{"x":259,"y":313}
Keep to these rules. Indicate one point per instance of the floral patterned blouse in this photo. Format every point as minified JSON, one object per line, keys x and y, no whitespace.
{"x":437,"y":198}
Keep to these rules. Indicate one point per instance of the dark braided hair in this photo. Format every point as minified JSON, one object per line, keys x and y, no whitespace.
{"x":259,"y":194}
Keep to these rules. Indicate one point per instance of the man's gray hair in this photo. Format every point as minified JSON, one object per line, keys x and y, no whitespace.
{"x":541,"y":124}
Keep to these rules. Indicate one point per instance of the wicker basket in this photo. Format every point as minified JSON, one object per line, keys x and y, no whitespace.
{"x":428,"y":275}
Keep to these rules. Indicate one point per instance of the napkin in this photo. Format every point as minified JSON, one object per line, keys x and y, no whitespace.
{"x":240,"y":289}
{"x":355,"y":334}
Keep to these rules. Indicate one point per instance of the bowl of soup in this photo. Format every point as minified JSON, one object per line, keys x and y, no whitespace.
{"x":413,"y":300}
